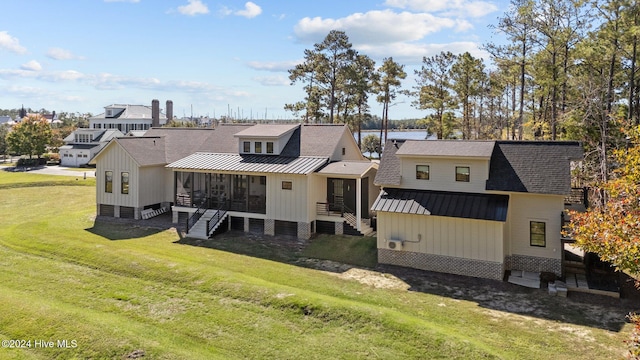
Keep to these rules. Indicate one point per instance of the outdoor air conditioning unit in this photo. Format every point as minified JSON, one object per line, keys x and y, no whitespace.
{"x":394,"y":244}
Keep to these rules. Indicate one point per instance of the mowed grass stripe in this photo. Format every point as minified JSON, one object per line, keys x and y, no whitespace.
{"x":160,"y":294}
{"x":321,"y":311}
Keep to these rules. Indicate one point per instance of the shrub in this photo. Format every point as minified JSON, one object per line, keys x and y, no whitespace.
{"x":32,"y":162}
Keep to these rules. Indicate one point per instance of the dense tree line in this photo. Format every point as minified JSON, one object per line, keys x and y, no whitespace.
{"x":567,"y":70}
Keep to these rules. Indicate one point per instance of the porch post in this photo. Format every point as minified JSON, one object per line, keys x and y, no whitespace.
{"x":358,"y":203}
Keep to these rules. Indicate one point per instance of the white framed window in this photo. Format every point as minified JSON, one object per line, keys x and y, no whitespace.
{"x":463,"y":173}
{"x":422,"y":172}
{"x":537,"y":233}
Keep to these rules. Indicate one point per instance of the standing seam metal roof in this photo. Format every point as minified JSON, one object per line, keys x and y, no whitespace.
{"x":250,"y":163}
{"x":442,"y":203}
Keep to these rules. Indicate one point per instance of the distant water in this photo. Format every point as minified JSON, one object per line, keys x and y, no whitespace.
{"x":409,"y":134}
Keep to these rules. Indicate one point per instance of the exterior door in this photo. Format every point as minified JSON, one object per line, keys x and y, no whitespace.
{"x":341,"y":192}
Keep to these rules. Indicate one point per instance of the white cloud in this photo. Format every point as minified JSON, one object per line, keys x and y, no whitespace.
{"x":224,"y":11}
{"x":464,"y":8}
{"x":272,"y":80}
{"x":412,"y":53}
{"x":273,"y":66}
{"x":380,"y":27}
{"x":62,"y":54}
{"x":31,"y":66}
{"x":194,"y":8}
{"x":251,"y":10}
{"x":11,"y":43}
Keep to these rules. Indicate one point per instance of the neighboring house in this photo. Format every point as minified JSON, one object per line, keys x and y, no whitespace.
{"x":474,"y":208}
{"x":128,"y":118}
{"x":5,"y":119}
{"x":270,"y":178}
{"x":83,"y":144}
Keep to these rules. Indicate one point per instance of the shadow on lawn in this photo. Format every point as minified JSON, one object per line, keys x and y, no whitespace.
{"x":126,"y":229}
{"x":502,"y":300}
{"x":583,"y":309}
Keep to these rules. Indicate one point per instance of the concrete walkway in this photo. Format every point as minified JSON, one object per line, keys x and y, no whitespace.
{"x":54,"y":170}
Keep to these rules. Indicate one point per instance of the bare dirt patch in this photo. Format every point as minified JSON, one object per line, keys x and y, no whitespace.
{"x":497,"y":299}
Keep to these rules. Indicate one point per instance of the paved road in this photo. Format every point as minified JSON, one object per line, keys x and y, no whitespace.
{"x":59,"y":170}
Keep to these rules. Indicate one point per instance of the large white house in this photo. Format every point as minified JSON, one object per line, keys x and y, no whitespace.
{"x":116,"y":121}
{"x":128,"y":118}
{"x":289,"y":179}
{"x":474,"y":208}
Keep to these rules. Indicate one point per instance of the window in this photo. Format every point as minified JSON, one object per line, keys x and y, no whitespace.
{"x":287,"y":185}
{"x":124,"y":178}
{"x":246,"y":146}
{"x":269,"y":147}
{"x":422,"y":172}
{"x":462,"y":173}
{"x":344,"y":151}
{"x":108,"y":181}
{"x":258,"y":147}
{"x":537,"y":231}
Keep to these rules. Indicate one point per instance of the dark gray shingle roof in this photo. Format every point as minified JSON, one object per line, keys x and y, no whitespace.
{"x":178,"y":143}
{"x":541,"y":167}
{"x":533,"y":166}
{"x":389,"y":170}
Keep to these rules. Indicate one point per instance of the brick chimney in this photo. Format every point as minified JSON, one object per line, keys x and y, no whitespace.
{"x":169,"y":110}
{"x":155,"y":113}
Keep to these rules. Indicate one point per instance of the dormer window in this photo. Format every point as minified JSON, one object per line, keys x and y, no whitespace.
{"x":109,"y":113}
{"x":246,"y":146}
{"x":258,"y":147}
{"x":269,"y":147}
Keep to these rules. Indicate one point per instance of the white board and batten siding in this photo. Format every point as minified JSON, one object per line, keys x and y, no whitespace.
{"x":524,"y":208}
{"x":350,"y":146}
{"x":152,"y":184}
{"x":118,"y":161}
{"x":440,"y":235}
{"x":288,"y":205}
{"x":442,"y":174}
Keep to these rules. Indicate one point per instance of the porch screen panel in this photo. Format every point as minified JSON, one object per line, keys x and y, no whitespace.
{"x":184,"y":186}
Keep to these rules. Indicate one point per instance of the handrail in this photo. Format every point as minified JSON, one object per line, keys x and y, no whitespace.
{"x":214,"y":220}
{"x":193,"y":219}
{"x":327,"y":209}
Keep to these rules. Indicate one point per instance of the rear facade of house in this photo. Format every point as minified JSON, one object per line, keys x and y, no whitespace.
{"x":474,"y":208}
{"x":269,"y":178}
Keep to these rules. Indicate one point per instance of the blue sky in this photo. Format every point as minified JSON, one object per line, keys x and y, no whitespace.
{"x":212,"y":56}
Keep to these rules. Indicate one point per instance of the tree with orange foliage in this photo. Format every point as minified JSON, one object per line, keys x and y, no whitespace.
{"x":611,"y":229}
{"x":30,"y":136}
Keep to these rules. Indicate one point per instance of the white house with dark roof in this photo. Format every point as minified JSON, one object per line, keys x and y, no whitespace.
{"x":83,"y":144}
{"x":289,"y":179}
{"x":126,"y":118}
{"x":474,"y":208}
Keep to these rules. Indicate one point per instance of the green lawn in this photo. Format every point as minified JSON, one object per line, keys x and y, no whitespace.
{"x":61,"y":278}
